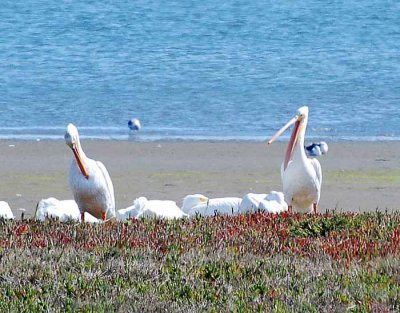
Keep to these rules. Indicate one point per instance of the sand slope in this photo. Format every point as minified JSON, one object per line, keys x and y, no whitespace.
{"x":356,"y":176}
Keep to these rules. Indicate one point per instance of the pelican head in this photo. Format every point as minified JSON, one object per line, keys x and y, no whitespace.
{"x":191,"y":201}
{"x":71,"y":136}
{"x":300,"y":124}
{"x":72,"y":140}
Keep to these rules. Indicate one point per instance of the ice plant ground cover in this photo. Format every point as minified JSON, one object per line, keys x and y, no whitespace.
{"x":332,"y":262}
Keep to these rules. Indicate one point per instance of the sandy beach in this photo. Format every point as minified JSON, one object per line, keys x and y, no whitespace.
{"x":356,"y":176}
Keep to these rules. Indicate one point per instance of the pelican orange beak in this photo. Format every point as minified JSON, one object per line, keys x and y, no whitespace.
{"x":292,"y":143}
{"x":279,"y":132}
{"x":80,"y":163}
{"x":293,"y":138}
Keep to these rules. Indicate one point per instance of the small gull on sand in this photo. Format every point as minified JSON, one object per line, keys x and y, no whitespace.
{"x":317,"y":149}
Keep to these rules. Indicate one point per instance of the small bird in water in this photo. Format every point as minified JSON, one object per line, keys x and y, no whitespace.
{"x":134,"y":124}
{"x":316,"y":149}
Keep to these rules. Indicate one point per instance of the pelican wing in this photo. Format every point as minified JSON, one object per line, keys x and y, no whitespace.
{"x":283,"y":168}
{"x":317,"y":167}
{"x":109,"y":185}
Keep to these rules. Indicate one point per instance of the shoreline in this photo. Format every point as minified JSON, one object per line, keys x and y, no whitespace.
{"x":282,"y":139}
{"x":357,"y":176}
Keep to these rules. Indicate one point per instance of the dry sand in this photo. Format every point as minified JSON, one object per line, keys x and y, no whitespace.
{"x":356,"y":176}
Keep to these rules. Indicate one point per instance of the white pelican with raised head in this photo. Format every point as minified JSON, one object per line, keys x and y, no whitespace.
{"x":301,"y":176}
{"x":89,"y":181}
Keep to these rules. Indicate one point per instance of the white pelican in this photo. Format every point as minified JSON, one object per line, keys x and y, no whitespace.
{"x":201,"y":205}
{"x":63,"y":210}
{"x":251,"y":201}
{"x":317,"y":149}
{"x":134,"y":124}
{"x":274,"y":202}
{"x":5,"y":211}
{"x":301,"y":176}
{"x":151,"y":208}
{"x":271,"y":203}
{"x":89,"y":181}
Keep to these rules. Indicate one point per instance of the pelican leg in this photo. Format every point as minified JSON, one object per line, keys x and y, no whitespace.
{"x":103,"y":216}
{"x":82,"y":217}
{"x":290,"y":209}
{"x":315,"y":207}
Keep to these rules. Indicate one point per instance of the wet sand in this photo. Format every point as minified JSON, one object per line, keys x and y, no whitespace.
{"x":356,"y":176}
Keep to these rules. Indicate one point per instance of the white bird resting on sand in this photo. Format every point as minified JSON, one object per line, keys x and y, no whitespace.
{"x":301,"y":176}
{"x":134,"y":124}
{"x":316,"y":149}
{"x":271,"y":203}
{"x":63,"y":210}
{"x":5,"y":211}
{"x":199,"y":204}
{"x":89,"y":181}
{"x":151,"y":208}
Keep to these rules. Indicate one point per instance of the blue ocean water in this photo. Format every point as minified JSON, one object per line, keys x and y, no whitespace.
{"x":212,"y":70}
